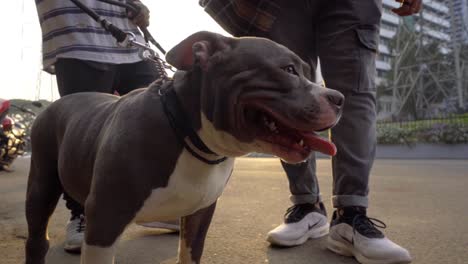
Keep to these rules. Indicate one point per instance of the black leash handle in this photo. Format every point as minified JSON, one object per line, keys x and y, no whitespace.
{"x":122,"y":36}
{"x":116,"y":32}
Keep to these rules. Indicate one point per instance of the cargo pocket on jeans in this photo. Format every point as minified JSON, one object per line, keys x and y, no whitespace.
{"x":368,"y":37}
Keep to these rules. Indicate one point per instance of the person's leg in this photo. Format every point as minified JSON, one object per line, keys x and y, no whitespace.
{"x":294,"y":28}
{"x":75,"y":76}
{"x":347,"y":46}
{"x":347,"y":49}
{"x":303,"y":183}
{"x":135,"y":75}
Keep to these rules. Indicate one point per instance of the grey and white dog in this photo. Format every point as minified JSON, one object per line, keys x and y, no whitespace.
{"x":126,"y":161}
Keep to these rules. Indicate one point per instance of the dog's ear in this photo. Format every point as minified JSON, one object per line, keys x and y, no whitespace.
{"x":197,"y":48}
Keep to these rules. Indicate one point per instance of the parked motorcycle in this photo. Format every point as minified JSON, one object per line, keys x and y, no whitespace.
{"x":13,"y":136}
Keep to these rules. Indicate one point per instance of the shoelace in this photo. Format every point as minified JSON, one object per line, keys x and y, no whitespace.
{"x":297,"y":212}
{"x":81,"y":225}
{"x":291,"y":213}
{"x":368,"y":226}
{"x":290,"y":209}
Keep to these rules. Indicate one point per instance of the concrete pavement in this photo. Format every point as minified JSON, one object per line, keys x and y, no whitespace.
{"x":423,"y":202}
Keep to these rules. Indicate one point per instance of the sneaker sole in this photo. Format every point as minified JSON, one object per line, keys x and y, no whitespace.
{"x":311,"y":234}
{"x":74,"y":249}
{"x":172,"y":227}
{"x":347,"y":249}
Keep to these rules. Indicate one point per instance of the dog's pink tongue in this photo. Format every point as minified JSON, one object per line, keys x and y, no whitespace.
{"x":317,"y":143}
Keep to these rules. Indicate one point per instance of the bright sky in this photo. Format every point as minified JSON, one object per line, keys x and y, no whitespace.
{"x":21,"y":74}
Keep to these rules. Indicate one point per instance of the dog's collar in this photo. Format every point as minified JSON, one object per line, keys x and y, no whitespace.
{"x":183,"y":128}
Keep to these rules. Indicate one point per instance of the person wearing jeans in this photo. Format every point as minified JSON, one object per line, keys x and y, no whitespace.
{"x":344,"y":35}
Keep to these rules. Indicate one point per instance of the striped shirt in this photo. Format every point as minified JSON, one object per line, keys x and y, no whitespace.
{"x":68,"y":32}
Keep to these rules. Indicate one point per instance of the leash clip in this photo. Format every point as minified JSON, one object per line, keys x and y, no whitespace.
{"x":128,"y":41}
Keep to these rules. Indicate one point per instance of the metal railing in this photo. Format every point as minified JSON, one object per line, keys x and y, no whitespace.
{"x":461,"y":120}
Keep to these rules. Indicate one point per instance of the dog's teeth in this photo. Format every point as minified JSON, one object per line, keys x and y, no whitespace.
{"x":272,"y":126}
{"x":301,"y":143}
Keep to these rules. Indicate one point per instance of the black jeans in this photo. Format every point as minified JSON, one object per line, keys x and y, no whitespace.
{"x":74,"y":76}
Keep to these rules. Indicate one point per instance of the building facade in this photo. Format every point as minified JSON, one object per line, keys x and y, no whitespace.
{"x":460,"y":21}
{"x":435,"y":23}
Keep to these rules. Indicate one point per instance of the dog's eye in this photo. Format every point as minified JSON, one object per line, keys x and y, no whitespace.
{"x":290,"y":69}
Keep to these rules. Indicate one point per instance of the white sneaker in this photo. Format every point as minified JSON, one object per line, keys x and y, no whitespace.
{"x":75,"y":234}
{"x":170,"y":225}
{"x":356,"y":235}
{"x":302,"y":221}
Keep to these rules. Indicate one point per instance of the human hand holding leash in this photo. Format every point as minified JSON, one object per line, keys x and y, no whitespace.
{"x":142,"y":17}
{"x":408,"y":7}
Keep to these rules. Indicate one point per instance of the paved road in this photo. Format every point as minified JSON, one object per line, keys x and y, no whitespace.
{"x":424,"y":203}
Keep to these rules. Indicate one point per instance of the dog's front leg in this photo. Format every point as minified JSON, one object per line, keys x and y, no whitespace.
{"x":193,"y":229}
{"x":96,"y":254}
{"x":100,"y":243}
{"x":105,"y":222}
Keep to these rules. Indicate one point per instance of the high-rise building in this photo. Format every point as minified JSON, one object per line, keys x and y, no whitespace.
{"x":460,"y":20}
{"x":435,"y":23}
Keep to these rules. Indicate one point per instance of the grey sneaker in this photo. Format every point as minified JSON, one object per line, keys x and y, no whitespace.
{"x":173,"y":225}
{"x":352,"y":233}
{"x":75,"y":234}
{"x":302,"y":221}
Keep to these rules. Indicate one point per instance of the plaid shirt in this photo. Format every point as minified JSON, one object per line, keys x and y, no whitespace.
{"x":242,"y":17}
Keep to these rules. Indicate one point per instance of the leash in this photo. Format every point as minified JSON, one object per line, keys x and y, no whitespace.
{"x":182,"y":126}
{"x":135,"y":10}
{"x":128,"y":39}
{"x":177,"y":117}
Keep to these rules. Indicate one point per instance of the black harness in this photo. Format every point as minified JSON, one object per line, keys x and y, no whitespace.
{"x":182,"y":126}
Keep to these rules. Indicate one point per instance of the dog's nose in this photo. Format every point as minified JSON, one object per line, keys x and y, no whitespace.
{"x":335,"y":98}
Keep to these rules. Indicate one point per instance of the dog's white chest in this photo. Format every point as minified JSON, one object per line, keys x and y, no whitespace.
{"x":192,"y":186}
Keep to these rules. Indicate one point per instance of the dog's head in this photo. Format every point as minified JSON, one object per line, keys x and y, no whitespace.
{"x":256,"y":97}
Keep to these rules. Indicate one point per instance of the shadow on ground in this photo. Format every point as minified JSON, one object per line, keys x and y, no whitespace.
{"x":148,"y":246}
